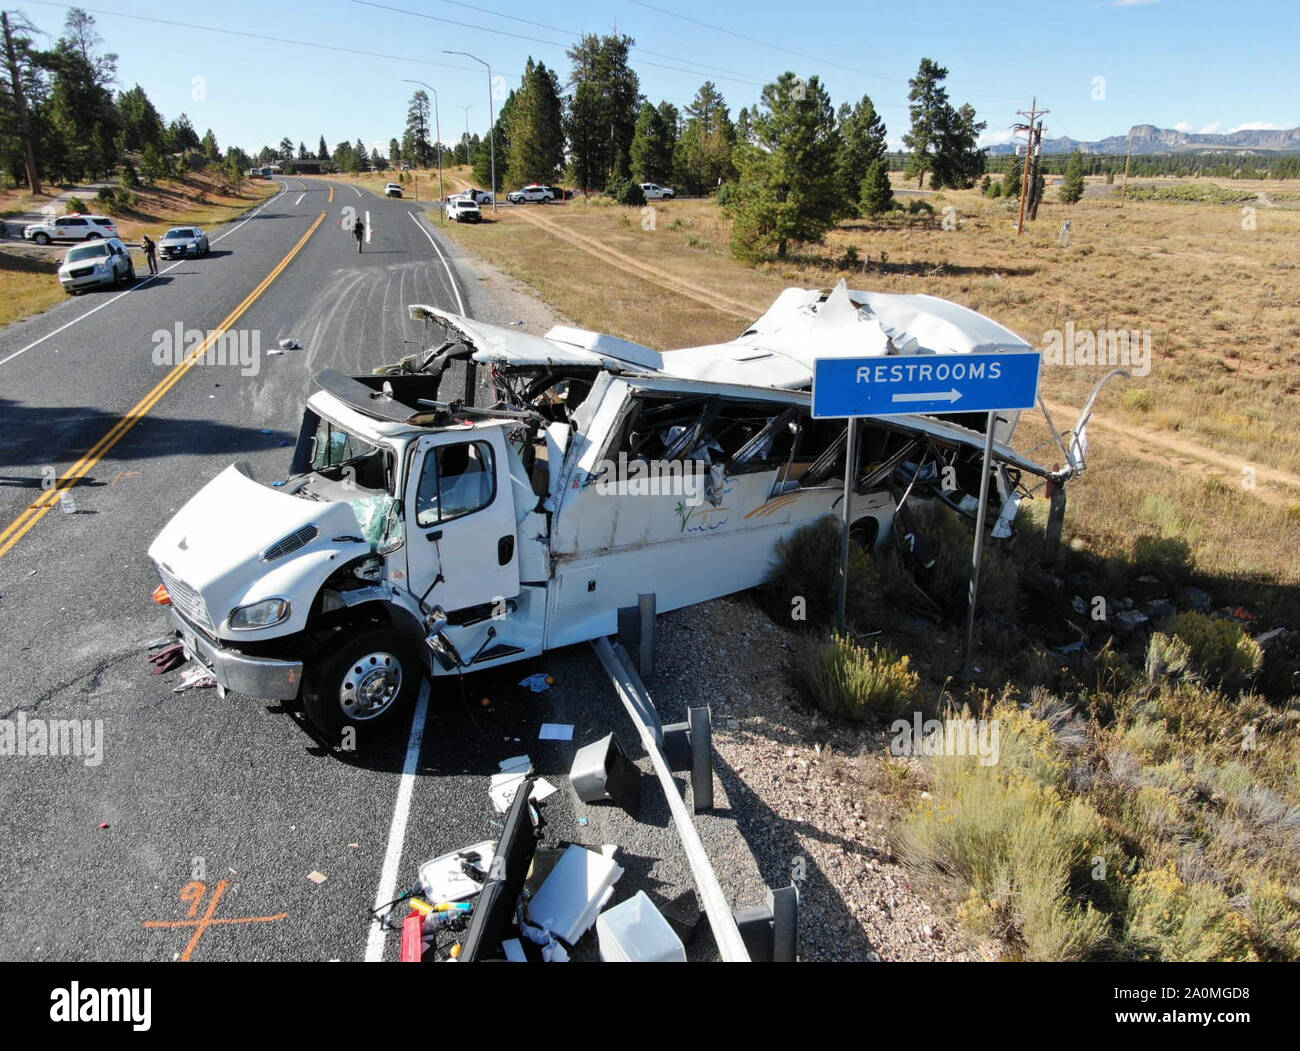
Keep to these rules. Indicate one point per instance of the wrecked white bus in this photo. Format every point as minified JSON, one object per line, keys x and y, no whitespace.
{"x":419,"y":536}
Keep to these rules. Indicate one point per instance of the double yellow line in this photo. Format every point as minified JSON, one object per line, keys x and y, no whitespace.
{"x":50,"y":498}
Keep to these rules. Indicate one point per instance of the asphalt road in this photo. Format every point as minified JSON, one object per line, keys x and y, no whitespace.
{"x":221,"y":808}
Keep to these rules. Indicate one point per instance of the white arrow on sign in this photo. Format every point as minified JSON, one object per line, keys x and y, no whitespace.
{"x":947,"y":395}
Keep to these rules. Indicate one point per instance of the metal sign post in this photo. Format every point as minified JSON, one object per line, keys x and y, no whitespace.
{"x":977,"y":551}
{"x":850,"y":474}
{"x":925,"y":384}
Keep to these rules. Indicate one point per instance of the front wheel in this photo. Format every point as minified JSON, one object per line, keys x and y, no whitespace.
{"x":41,"y":239}
{"x":368,"y":681}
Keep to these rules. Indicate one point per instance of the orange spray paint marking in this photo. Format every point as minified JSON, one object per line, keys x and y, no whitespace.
{"x":193,"y":894}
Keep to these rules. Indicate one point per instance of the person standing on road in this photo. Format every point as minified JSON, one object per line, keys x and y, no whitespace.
{"x":150,"y":253}
{"x":358,"y":231}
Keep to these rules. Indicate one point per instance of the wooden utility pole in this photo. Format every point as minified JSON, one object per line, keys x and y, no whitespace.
{"x":1128,"y":158}
{"x":1035,"y":130}
{"x":20,"y":103}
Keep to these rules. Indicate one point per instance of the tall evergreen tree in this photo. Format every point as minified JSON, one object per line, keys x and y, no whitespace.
{"x":651,"y":154}
{"x":535,"y":133}
{"x":80,"y":99}
{"x":862,"y":144}
{"x":322,"y":150}
{"x":707,"y":141}
{"x":603,"y":106}
{"x":928,"y":100}
{"x":959,"y":161}
{"x":209,"y":146}
{"x":140,"y":123}
{"x":787,"y":190}
{"x":415,"y":143}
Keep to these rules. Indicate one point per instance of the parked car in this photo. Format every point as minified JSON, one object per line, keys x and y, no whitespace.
{"x":534,"y":193}
{"x":657,"y":193}
{"x":70,"y":228}
{"x":479,"y":197}
{"x":393,"y":189}
{"x":184,"y":241}
{"x":106,"y":262}
{"x":463,"y":210}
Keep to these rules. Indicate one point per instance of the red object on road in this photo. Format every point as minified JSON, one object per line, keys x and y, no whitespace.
{"x":160,"y":595}
{"x":412,"y":938}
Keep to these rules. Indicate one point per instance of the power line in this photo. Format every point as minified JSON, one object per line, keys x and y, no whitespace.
{"x":253,"y":36}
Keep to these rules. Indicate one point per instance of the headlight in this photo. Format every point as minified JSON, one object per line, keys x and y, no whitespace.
{"x":260,"y":614}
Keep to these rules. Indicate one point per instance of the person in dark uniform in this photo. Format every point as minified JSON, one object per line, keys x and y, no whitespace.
{"x":150,"y":253}
{"x":358,"y":231}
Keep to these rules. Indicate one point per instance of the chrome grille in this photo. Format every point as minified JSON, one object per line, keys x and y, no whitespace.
{"x":288,"y":544}
{"x":186,"y":600}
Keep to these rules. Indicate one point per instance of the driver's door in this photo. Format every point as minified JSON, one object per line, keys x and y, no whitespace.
{"x":460,"y":515}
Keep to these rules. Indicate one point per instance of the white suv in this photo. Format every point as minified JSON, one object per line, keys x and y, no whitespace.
{"x":106,"y":262}
{"x":532,"y":192}
{"x":393,"y":189}
{"x":70,"y":228}
{"x":657,"y":193}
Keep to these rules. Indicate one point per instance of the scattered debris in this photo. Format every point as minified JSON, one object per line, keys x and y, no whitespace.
{"x":459,"y":874}
{"x":538,"y":683}
{"x":290,"y":344}
{"x":634,"y":931}
{"x":195,"y":678}
{"x":167,"y":659}
{"x":556,"y":732}
{"x":575,"y":891}
{"x":317,"y":877}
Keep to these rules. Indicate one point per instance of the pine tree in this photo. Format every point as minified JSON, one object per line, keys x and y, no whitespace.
{"x":1011,"y":181}
{"x":787,"y":189}
{"x":322,"y":150}
{"x":535,"y":134}
{"x":876,"y":196}
{"x":703,"y":153}
{"x":415,"y":143}
{"x":651,"y":153}
{"x":1072,"y":188}
{"x":862,"y":143}
{"x":928,"y":99}
{"x":603,"y":106}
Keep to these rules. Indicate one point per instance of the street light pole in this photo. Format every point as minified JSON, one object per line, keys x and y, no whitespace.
{"x":437,"y":132}
{"x":467,"y":109}
{"x":492,"y":139}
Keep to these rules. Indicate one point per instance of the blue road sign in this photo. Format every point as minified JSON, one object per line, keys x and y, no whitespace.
{"x":924,"y":383}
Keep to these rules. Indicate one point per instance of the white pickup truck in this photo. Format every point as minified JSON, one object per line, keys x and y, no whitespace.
{"x":416,"y":537}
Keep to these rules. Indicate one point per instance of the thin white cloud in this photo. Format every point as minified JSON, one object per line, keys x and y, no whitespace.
{"x":996,"y":138}
{"x":1134,"y":3}
{"x":1210,"y":128}
{"x":1256,"y":125}
{"x":1184,"y":125}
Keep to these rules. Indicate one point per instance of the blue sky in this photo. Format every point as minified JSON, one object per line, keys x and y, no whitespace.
{"x":1197,"y":65}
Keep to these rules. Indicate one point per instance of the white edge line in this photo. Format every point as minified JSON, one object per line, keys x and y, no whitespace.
{"x":134,"y":288}
{"x":377,"y":937}
{"x":369,"y":228}
{"x":445,"y":265}
{"x":356,"y":191}
{"x":299,"y":200}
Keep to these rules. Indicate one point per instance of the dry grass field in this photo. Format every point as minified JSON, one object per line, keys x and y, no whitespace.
{"x":1175,"y":452}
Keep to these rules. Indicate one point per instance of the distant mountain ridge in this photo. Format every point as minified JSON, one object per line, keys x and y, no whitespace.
{"x":1147,"y":138}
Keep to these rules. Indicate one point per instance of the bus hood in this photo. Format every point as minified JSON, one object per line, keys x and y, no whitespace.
{"x":236,"y":542}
